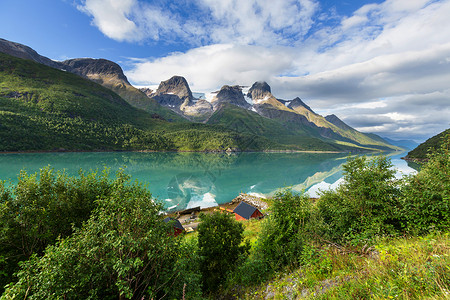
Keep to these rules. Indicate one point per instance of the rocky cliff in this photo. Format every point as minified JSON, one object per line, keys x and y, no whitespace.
{"x":25,"y":52}
{"x":232,"y":95}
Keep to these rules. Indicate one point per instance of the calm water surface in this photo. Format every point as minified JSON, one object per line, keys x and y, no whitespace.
{"x":183,"y":180}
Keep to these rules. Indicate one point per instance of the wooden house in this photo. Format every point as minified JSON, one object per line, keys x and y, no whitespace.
{"x":177,"y":227}
{"x":245,"y":211}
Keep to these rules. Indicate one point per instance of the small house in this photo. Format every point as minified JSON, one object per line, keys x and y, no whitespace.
{"x":245,"y":211}
{"x":177,"y":227}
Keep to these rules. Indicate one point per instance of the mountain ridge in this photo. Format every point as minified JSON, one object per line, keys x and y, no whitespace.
{"x":174,"y":101}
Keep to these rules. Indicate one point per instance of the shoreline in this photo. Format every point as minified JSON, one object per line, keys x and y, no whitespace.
{"x":169,"y":151}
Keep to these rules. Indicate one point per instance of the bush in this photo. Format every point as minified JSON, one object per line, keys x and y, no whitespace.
{"x":123,"y":251}
{"x":189,"y":283}
{"x":41,"y":208}
{"x":426,"y":200}
{"x":366,"y":204}
{"x":220,"y":247}
{"x":284,"y":231}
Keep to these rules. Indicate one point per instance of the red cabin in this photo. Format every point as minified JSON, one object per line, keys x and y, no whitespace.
{"x":177,"y":227}
{"x":245,"y":211}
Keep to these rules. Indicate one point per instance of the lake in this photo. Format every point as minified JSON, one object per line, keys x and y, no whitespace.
{"x":184,"y":180}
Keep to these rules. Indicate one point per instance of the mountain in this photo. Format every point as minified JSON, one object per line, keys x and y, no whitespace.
{"x":291,"y":124}
{"x":249,"y":122}
{"x":102,"y":71}
{"x":300,"y":124}
{"x":174,"y":92}
{"x":176,"y":95}
{"x":232,"y":95}
{"x":405,"y":144}
{"x":333,"y":119}
{"x":43,"y":108}
{"x":300,"y":118}
{"x":25,"y":52}
{"x":297,"y":103}
{"x":433,"y":143}
{"x":110,"y":75}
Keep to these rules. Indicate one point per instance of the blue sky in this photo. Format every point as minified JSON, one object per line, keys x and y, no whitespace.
{"x":381,"y":66}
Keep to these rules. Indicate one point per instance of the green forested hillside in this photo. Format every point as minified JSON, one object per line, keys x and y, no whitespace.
{"x":42,"y":108}
{"x":245,"y":121}
{"x":421,"y":151}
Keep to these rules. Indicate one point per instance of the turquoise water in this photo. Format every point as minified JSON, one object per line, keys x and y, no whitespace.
{"x":183,"y":180}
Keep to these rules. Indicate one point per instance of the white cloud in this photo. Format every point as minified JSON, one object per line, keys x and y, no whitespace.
{"x":208,"y":68}
{"x":260,"y":22}
{"x":384,"y":62}
{"x":111,"y":17}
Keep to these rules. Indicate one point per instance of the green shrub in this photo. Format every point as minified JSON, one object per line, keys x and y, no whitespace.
{"x":41,"y":208}
{"x":188,"y":285}
{"x":221,"y":247}
{"x":426,"y":200}
{"x":283,"y":234}
{"x":366,"y":204}
{"x":122,"y":251}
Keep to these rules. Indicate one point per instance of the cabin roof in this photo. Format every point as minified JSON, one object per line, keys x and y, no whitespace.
{"x":245,"y":210}
{"x":176,"y":223}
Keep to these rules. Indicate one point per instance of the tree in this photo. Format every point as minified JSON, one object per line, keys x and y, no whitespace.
{"x":221,"y":246}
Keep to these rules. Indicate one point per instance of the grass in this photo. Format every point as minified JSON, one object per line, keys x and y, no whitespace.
{"x":400,"y":268}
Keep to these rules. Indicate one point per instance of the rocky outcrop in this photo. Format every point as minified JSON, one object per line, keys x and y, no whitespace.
{"x":147,"y":91}
{"x":174,"y":93}
{"x":96,"y":69}
{"x":259,"y":90}
{"x":200,"y":111}
{"x":232,"y":95}
{"x":296,"y":103}
{"x":25,"y":52}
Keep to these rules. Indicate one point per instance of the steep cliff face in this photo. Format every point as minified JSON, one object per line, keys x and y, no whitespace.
{"x":174,"y":93}
{"x":232,"y":95}
{"x":259,"y":90}
{"x":96,"y":69}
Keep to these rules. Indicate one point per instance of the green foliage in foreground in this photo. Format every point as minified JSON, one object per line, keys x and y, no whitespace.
{"x":365,"y":205}
{"x":371,"y":205}
{"x":426,"y":196}
{"x":220,"y":249}
{"x":124,"y":249}
{"x":394,"y":268}
{"x":42,"y":208}
{"x":281,"y":241}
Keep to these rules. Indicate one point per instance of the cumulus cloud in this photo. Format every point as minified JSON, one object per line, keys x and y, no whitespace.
{"x":111,"y":17}
{"x":208,"y":68}
{"x":206,"y":21}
